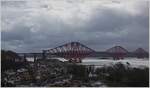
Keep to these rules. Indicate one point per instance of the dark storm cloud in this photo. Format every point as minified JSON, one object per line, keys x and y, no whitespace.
{"x":31,"y":30}
{"x":119,"y":28}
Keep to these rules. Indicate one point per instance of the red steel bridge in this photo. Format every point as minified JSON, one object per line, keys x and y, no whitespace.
{"x":140,"y":53}
{"x":75,"y":52}
{"x":117,"y":52}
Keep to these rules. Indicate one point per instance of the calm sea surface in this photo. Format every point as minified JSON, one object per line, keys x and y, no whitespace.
{"x":102,"y":62}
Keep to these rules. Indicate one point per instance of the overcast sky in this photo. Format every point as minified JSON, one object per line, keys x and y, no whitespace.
{"x":33,"y":25}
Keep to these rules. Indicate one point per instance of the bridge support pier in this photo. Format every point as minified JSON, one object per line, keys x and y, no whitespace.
{"x":75,"y":60}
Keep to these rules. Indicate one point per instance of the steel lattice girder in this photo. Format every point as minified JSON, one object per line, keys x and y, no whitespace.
{"x":71,"y":51}
{"x":140,"y":53}
{"x":117,"y":51}
{"x":140,"y":50}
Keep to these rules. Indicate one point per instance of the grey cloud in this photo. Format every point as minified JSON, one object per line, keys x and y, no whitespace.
{"x":13,"y":3}
{"x":106,"y":28}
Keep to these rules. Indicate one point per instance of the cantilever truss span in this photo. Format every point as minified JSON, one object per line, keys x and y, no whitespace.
{"x":117,"y":52}
{"x":73,"y":51}
{"x":140,"y":53}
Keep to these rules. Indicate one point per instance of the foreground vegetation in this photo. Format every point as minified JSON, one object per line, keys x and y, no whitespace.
{"x":10,"y":60}
{"x":117,"y":75}
{"x":124,"y":75}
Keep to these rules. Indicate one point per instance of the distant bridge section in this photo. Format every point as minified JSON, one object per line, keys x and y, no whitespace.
{"x":117,"y":52}
{"x":140,"y":53}
{"x":35,"y":56}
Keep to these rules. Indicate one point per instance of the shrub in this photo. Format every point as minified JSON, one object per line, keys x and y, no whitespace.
{"x":8,"y":60}
{"x":123,"y":75}
{"x":79,"y":72}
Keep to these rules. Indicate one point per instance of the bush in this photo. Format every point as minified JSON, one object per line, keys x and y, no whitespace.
{"x":8,"y":60}
{"x":79,"y":72}
{"x":123,"y":75}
